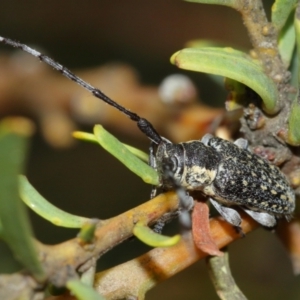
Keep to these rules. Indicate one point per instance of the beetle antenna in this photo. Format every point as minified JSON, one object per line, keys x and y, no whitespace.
{"x":144,"y":125}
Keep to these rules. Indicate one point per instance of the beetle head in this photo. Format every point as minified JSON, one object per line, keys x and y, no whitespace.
{"x":169,"y":163}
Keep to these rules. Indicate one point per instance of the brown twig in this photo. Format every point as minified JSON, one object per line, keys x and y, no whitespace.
{"x":263,"y":36}
{"x":61,"y":261}
{"x":220,"y":274}
{"x":134,"y":278}
{"x":266,"y":133}
{"x":289,"y":233}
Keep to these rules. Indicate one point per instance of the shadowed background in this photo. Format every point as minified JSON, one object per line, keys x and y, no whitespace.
{"x":87,"y":181}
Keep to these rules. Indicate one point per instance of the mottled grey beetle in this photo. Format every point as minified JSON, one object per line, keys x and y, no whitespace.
{"x":228,"y":173}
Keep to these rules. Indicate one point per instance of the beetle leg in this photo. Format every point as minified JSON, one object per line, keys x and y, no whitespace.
{"x":183,"y":213}
{"x":229,"y":214}
{"x":242,"y":143}
{"x":186,"y":205}
{"x":205,"y":139}
{"x":153,"y":192}
{"x":262,"y":218}
{"x":161,"y":222}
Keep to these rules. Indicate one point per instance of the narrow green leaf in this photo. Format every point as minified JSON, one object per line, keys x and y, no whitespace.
{"x":138,"y":153}
{"x":294,"y":125}
{"x":233,"y":64}
{"x":202,"y":43}
{"x":230,"y":3}
{"x":85,"y":136}
{"x":16,"y":228}
{"x":83,"y":291}
{"x":287,"y":41}
{"x":237,"y":94}
{"x":294,"y":70}
{"x":153,"y":239}
{"x":45,"y":209}
{"x":89,"y":137}
{"x":118,"y":150}
{"x":281,"y":10}
{"x":297,"y":29}
{"x":86,"y":234}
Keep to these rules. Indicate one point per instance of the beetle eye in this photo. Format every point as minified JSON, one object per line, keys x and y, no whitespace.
{"x":173,"y":164}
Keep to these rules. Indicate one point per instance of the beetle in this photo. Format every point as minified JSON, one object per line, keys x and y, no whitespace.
{"x":229,"y":174}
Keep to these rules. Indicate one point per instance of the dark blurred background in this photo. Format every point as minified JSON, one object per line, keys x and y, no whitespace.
{"x":87,"y":181}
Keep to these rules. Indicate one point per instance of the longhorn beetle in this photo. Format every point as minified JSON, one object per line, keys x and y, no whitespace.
{"x":228,"y":173}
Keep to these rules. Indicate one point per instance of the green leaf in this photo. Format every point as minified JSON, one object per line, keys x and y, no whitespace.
{"x":16,"y":228}
{"x":85,"y":136}
{"x":86,"y":234}
{"x":237,"y":94}
{"x":294,"y":70}
{"x":118,"y":150}
{"x":202,"y":43}
{"x":153,"y":239}
{"x":294,"y":125}
{"x":138,"y":153}
{"x":89,"y":137}
{"x":281,"y":10}
{"x":83,"y":291}
{"x":297,"y":29}
{"x":233,"y":64}
{"x":230,"y":3}
{"x":287,"y":41}
{"x":45,"y":209}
